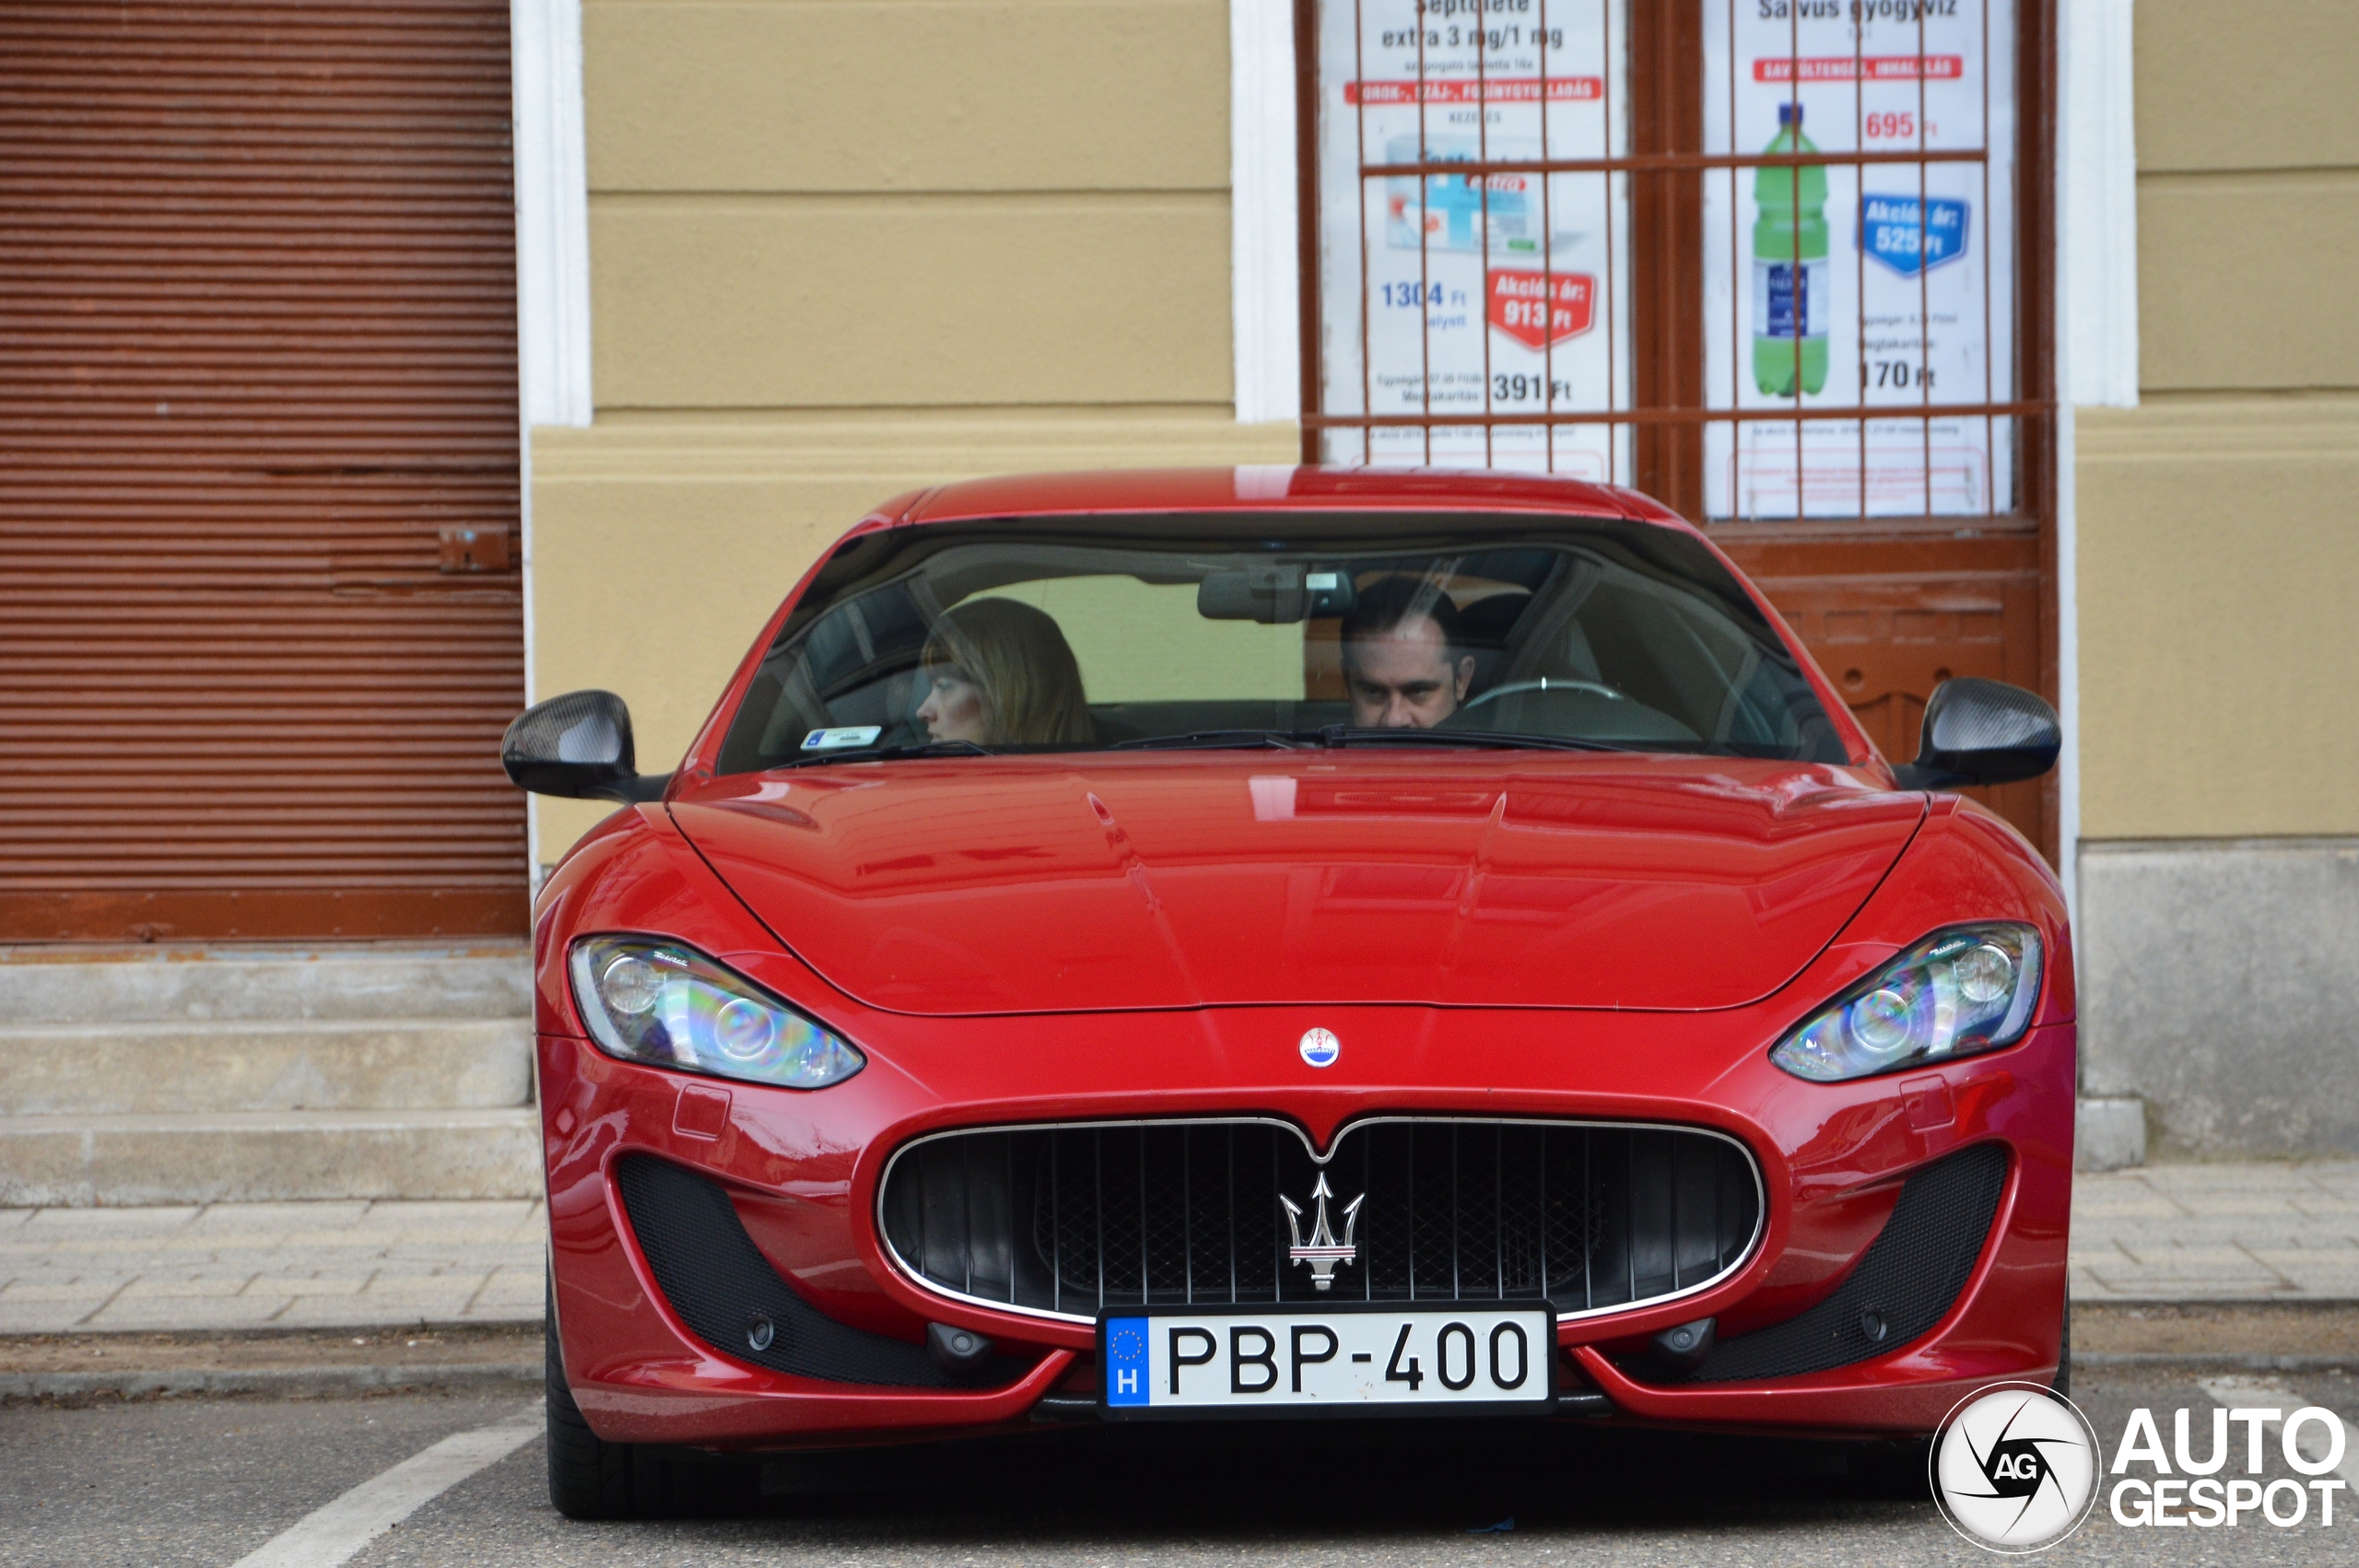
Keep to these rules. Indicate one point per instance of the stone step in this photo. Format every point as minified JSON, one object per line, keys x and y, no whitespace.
{"x":47,"y":985}
{"x":229,"y":1157}
{"x":268,"y":1065}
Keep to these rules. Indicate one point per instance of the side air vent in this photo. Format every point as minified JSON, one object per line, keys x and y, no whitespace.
{"x":1907,"y":1283}
{"x":725,"y":1291}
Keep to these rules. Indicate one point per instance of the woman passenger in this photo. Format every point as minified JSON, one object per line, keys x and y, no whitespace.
{"x":1000,"y":673}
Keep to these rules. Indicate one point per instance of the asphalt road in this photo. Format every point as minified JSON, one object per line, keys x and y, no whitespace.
{"x":209,"y":1481}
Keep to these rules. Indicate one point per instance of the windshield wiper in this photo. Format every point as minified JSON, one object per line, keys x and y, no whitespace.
{"x":1347,"y":735}
{"x":888,"y":754}
{"x":1210,"y":740}
{"x":1332,"y":735}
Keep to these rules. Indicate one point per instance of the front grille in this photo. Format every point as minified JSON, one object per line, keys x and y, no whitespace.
{"x":1067,"y":1220}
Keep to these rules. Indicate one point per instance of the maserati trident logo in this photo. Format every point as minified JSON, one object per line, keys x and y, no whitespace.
{"x":1322,"y":1251}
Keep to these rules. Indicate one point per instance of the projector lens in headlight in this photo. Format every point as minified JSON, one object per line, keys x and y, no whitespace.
{"x":1967,"y":989}
{"x":630,"y":984}
{"x":667,"y":1004}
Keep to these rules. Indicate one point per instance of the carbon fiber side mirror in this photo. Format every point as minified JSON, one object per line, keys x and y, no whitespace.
{"x":578,"y":747}
{"x":1981,"y":731}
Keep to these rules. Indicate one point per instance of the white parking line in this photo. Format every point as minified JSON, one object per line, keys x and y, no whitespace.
{"x":333,"y":1533}
{"x":2274,"y":1393}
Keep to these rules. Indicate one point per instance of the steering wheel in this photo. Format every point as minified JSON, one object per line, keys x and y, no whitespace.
{"x":1545,"y":683}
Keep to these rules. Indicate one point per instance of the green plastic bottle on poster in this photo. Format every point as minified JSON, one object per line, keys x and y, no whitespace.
{"x":1790,"y":270}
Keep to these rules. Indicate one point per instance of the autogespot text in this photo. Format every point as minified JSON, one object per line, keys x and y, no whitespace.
{"x":2181,"y":1487}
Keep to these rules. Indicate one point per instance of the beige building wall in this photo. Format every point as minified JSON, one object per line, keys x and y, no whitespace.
{"x":2219,"y":557}
{"x":839,"y":251}
{"x":2218,"y":601}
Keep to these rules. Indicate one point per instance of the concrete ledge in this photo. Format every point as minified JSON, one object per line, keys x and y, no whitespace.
{"x":2222,"y":1361}
{"x":82,"y":1368}
{"x":2218,"y":984}
{"x":277,"y":1383}
{"x":267,"y":1065}
{"x":50,"y":985}
{"x":2109,"y":1332}
{"x":85,"y":1162}
{"x":2110,"y":1135}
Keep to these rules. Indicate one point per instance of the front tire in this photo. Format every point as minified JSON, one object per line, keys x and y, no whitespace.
{"x":593,"y":1478}
{"x":2064,"y":1354}
{"x":1897,"y":1472}
{"x":589,"y":1476}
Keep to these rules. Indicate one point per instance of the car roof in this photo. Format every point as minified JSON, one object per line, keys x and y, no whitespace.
{"x":1273,"y":488}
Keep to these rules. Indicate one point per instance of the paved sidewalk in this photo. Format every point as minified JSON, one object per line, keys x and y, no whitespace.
{"x":2214,"y":1233}
{"x":2160,"y":1233}
{"x":230,"y":1265}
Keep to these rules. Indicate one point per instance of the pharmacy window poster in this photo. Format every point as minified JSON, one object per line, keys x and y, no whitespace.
{"x":1473,"y":295}
{"x":1876,"y":285}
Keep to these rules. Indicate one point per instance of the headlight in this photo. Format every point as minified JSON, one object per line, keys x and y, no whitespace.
{"x":1970,"y":988}
{"x":668,"y":1005}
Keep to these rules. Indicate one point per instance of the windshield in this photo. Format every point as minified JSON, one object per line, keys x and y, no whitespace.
{"x":1091,"y":633}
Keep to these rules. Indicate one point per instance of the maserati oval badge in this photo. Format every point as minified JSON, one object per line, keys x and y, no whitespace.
{"x":1320,"y":1047}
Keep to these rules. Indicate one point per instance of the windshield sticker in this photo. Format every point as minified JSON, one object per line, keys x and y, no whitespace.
{"x":835,"y":740}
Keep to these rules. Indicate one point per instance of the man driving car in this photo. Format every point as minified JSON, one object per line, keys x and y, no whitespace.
{"x":1405,"y":660}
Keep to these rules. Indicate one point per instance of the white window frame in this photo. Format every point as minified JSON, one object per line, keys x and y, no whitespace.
{"x":552,"y":212}
{"x":2097,"y":312}
{"x":551,"y":265}
{"x":1265,"y":275}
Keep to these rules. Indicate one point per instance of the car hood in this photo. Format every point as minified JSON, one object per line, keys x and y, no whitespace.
{"x":1059,"y":884}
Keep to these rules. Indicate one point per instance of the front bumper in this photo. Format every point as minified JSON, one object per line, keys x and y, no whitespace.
{"x":802,"y":1173}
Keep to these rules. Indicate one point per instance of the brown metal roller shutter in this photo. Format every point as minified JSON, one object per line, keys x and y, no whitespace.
{"x":257,"y":358}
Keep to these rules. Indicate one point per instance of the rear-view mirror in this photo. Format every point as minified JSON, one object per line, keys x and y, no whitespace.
{"x":1278,"y":595}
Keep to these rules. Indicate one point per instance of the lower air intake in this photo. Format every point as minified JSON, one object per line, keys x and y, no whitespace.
{"x":1911,"y":1278}
{"x":725,"y":1291}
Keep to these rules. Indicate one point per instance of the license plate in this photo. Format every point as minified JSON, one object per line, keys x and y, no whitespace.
{"x":1346,"y":1359}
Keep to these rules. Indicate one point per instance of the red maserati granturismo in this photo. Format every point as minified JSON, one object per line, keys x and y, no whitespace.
{"x":1223,"y":945}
